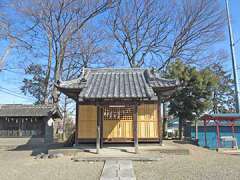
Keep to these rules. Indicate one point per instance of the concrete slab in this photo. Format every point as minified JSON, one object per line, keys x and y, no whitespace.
{"x":125,"y":164}
{"x":110,"y":173}
{"x":118,"y":169}
{"x":147,"y":152}
{"x":111,"y":164}
{"x":106,"y":178}
{"x":126,"y":173}
{"x":123,"y":178}
{"x":139,"y":158}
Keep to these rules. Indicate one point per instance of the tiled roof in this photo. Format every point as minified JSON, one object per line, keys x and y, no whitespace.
{"x":20,"y":110}
{"x":117,"y":83}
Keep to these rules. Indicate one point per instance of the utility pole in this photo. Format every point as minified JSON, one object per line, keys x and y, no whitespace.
{"x":234,"y":63}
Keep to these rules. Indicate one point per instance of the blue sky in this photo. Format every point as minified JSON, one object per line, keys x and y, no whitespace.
{"x":12,"y":79}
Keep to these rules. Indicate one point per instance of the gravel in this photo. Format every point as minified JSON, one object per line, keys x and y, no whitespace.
{"x":20,"y":165}
{"x":201,"y":164}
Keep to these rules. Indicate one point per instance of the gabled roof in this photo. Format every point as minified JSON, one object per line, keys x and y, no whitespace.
{"x":109,"y":83}
{"x":24,"y":110}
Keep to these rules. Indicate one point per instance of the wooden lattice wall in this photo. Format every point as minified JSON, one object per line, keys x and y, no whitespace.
{"x":87,"y":121}
{"x":147,"y":121}
{"x":118,"y":122}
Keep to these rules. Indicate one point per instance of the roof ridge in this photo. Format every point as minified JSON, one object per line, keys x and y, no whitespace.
{"x":29,"y":110}
{"x":27,"y":105}
{"x":116,"y":69}
{"x":119,"y":68}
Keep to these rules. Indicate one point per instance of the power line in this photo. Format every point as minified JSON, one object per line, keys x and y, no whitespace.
{"x":20,"y":94}
{"x":14,"y":94}
{"x":10,"y":91}
{"x":16,"y":72}
{"x":26,"y":98}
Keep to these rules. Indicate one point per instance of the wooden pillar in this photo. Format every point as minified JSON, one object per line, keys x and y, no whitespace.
{"x":160,"y":133}
{"x":101,"y":127}
{"x":135,"y":128}
{"x":77,"y":122}
{"x":98,"y":134}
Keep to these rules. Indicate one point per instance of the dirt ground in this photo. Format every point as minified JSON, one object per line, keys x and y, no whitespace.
{"x":19,"y":165}
{"x":199,"y":164}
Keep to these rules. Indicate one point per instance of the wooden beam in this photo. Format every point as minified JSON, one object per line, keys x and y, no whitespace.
{"x":135,"y":128}
{"x":77,"y":123}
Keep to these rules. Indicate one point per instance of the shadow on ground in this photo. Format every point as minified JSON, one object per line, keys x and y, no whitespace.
{"x":31,"y":145}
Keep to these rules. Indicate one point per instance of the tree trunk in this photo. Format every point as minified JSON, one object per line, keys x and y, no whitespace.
{"x":56,"y":79}
{"x":196,"y":131}
{"x":58,"y":71}
{"x":165,"y":125}
{"x":215,"y":107}
{"x":180,"y":129}
{"x":46,"y":80}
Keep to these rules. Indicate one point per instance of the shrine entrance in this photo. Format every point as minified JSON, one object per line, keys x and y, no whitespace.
{"x":117,"y":123}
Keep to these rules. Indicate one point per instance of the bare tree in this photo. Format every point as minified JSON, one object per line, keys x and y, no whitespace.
{"x":139,"y":27}
{"x":161,"y":31}
{"x":4,"y":36}
{"x":60,"y":20}
{"x":11,"y":36}
{"x":198,"y":25}
{"x":6,"y":51}
{"x":87,"y":48}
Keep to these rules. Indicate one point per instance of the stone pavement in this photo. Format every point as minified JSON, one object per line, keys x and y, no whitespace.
{"x":118,"y":170}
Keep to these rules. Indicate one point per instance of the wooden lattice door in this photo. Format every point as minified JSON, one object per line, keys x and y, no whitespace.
{"x":117,"y":123}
